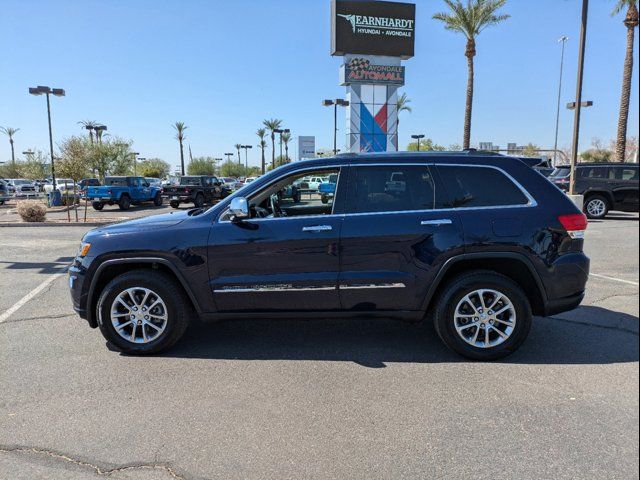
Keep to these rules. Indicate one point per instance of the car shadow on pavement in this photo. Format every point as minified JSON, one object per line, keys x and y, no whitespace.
{"x":57,"y":266}
{"x":375,"y":342}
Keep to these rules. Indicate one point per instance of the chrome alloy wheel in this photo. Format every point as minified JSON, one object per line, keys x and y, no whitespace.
{"x":139,"y":315}
{"x":596,"y":207}
{"x":485,"y":318}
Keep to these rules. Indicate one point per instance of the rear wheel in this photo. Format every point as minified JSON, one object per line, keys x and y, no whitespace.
{"x":157,"y":200}
{"x":483,"y":315}
{"x":143,"y":314}
{"x":97,"y":205}
{"x":124,"y":203}
{"x":174,"y":203}
{"x":596,"y":207}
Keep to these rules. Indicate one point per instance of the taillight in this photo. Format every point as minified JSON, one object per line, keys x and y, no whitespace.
{"x":186,"y":190}
{"x":575,"y":224}
{"x":109,"y":192}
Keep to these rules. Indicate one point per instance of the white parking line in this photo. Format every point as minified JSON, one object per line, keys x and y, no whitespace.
{"x":28,"y":296}
{"x":614,"y":279}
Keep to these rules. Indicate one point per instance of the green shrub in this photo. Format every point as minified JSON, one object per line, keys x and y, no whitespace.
{"x":32,"y":211}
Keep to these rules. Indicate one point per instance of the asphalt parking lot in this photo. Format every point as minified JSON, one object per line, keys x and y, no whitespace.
{"x":315,"y":399}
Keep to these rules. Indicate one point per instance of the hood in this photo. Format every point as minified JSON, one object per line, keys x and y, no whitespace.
{"x":153,"y":222}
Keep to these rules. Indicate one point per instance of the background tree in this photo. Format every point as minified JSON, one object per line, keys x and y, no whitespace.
{"x":74,"y":163}
{"x":231,"y":169}
{"x":154,"y":167}
{"x":238,"y":146}
{"x":88,"y":125}
{"x":402,"y":105}
{"x":530,"y":150}
{"x":631,"y":22}
{"x":286,"y":138}
{"x":271,"y":125}
{"x":426,"y":145}
{"x":10,"y":132}
{"x":470,"y":20}
{"x":202,"y":166}
{"x":262,"y":144}
{"x":35,"y":166}
{"x":455,"y":147}
{"x":597,"y":153}
{"x":180,"y":128}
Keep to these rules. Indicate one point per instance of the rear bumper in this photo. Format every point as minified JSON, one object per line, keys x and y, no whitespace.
{"x":565,"y":304}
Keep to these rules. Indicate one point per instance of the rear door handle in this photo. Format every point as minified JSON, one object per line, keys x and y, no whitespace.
{"x":317,"y":228}
{"x":437,"y":223}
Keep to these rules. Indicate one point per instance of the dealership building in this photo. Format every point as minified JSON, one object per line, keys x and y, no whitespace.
{"x":373,"y":37}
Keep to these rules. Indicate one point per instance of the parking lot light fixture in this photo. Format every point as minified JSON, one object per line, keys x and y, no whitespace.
{"x":338,"y":102}
{"x":58,"y":92}
{"x":418,"y":137}
{"x":246,"y":159}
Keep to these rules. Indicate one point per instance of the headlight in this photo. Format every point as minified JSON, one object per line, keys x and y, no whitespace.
{"x":84,"y":249}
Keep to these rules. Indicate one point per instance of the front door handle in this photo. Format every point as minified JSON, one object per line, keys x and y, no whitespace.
{"x":438,"y":222}
{"x":317,"y":228}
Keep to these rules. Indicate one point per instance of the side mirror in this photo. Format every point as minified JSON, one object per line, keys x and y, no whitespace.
{"x":239,"y":208}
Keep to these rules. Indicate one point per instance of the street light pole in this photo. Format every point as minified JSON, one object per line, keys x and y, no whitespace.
{"x":576,"y":120}
{"x":562,"y":40}
{"x":418,"y":137}
{"x":337,"y":102}
{"x":135,"y":163}
{"x":246,"y":157}
{"x":58,"y":92}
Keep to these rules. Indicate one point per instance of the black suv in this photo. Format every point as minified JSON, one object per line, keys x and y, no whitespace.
{"x":605,"y":186}
{"x":471,"y":241}
{"x":197,"y":190}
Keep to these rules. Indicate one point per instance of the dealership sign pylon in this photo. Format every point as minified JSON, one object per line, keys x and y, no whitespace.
{"x":373,"y":38}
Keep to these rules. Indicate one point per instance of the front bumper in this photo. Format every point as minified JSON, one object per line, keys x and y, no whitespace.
{"x":79,"y":294}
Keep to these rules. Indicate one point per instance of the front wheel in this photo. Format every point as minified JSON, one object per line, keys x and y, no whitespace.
{"x":596,"y":207}
{"x":483,"y":315}
{"x":97,"y":205}
{"x":174,"y":203}
{"x":143,"y":314}
{"x":199,"y":200}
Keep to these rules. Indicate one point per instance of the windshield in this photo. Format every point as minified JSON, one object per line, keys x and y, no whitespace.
{"x":561,"y":172}
{"x":21,"y":182}
{"x":190,"y":181}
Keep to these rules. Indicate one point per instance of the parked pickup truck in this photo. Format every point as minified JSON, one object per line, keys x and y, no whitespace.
{"x":197,"y":190}
{"x":123,"y":191}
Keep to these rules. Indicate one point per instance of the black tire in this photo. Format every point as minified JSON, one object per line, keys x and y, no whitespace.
{"x":97,"y":205}
{"x":324,"y":199}
{"x":174,"y":203}
{"x":596,"y":207}
{"x":199,"y":200}
{"x":453,"y":293}
{"x":165,"y":286}
{"x":157,"y":200}
{"x":124,"y":203}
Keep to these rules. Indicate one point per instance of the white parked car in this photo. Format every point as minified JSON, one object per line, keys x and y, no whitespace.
{"x":250,"y":179}
{"x":154,"y":182}
{"x":65,"y":185}
{"x":309,"y":183}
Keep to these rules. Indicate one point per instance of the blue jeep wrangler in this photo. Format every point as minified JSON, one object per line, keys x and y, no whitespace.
{"x":123,"y":191}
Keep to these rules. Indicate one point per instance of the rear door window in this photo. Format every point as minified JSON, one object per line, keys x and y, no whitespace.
{"x":471,"y":186}
{"x":391,"y":188}
{"x":601,"y":173}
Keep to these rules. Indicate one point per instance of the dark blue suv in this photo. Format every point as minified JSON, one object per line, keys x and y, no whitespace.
{"x":477,"y":243}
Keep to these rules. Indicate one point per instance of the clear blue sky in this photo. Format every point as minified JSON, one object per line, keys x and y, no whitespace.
{"x":223,"y":66}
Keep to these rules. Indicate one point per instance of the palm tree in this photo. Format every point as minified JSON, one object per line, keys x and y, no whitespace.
{"x":10,"y":132}
{"x":262,"y":144}
{"x":180,"y":127}
{"x":631,"y":22}
{"x":286,"y":138}
{"x":271,"y":125}
{"x":470,"y":20}
{"x":402,"y":105}
{"x":89,"y":125}
{"x":238,"y":146}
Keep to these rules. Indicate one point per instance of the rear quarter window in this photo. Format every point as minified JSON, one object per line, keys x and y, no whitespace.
{"x":470,"y":186}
